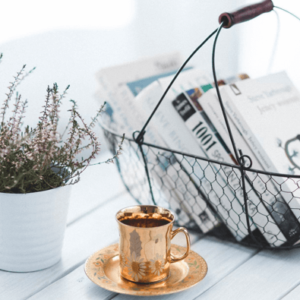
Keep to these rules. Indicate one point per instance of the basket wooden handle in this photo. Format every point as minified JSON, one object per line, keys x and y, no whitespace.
{"x":245,"y":14}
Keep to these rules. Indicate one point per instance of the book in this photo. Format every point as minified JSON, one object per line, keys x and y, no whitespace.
{"x":198,"y":210}
{"x":266,"y":101}
{"x":113,"y":89}
{"x":184,"y":194}
{"x":178,"y":138}
{"x":253,"y":135}
{"x":200,"y":125}
{"x":118,"y":116}
{"x":122,"y":107}
{"x":194,"y":188}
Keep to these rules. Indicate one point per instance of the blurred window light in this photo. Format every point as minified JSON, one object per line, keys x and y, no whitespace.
{"x":23,"y":18}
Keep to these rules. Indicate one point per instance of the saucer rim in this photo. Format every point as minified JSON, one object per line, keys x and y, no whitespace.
{"x":156,"y":292}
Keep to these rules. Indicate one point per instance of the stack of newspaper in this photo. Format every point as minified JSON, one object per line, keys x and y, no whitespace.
{"x":262,"y":115}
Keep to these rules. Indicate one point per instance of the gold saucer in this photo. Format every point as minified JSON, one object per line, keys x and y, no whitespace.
{"x":102,"y":268}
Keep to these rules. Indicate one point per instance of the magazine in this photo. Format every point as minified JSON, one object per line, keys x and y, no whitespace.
{"x":113,"y":89}
{"x":111,"y":82}
{"x":196,"y":127}
{"x":122,"y":107}
{"x":243,"y":102}
{"x":177,"y":137}
{"x":190,"y":202}
{"x":201,"y":127}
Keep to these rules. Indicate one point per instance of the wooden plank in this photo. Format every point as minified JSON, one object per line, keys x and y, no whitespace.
{"x":102,"y":182}
{"x":267,"y":275}
{"x":293,"y":294}
{"x":93,"y":232}
{"x":77,"y":286}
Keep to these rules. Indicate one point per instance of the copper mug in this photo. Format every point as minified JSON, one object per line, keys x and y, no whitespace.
{"x":145,"y":243}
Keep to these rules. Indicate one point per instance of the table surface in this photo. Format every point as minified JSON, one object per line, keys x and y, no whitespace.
{"x":234,"y":272}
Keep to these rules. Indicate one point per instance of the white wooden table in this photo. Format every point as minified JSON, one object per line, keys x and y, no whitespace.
{"x":234,"y":272}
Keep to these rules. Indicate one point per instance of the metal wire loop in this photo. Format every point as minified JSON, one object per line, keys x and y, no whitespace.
{"x":136,"y":135}
{"x":246,"y":210}
{"x":243,"y":162}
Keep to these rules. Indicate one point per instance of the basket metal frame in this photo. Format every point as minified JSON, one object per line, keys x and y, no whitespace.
{"x":138,"y":138}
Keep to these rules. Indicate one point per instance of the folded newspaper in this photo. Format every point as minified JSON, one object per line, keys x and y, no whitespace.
{"x":262,"y":117}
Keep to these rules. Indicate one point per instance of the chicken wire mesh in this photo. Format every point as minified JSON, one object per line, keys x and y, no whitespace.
{"x":208,"y":196}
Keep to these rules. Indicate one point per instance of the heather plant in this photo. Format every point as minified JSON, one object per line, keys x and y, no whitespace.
{"x":38,"y":159}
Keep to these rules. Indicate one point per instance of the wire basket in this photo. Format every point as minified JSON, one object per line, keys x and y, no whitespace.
{"x":196,"y":188}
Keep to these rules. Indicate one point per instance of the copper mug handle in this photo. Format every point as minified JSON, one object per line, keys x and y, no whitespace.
{"x":172,"y":258}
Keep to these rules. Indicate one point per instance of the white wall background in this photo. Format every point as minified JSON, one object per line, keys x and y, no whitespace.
{"x":69,"y":41}
{"x":26,"y":18}
{"x":183,"y":25}
{"x":271,"y":43}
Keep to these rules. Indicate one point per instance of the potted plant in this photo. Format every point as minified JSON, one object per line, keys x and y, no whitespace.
{"x":37,"y":168}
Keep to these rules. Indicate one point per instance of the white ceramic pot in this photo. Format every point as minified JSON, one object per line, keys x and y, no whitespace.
{"x":32,"y":228}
